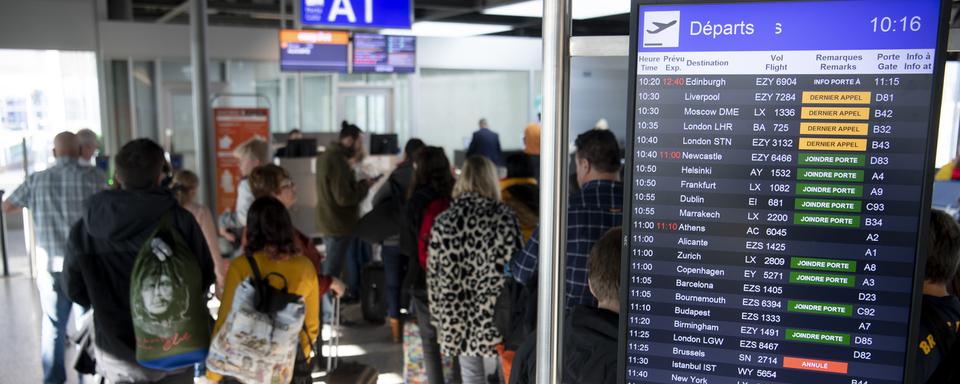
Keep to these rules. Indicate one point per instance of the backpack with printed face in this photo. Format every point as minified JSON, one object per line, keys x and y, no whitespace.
{"x":259,"y":342}
{"x":170,"y":318}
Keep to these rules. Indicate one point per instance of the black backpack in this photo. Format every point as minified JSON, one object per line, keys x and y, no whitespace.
{"x":272,"y":300}
{"x":948,"y":370}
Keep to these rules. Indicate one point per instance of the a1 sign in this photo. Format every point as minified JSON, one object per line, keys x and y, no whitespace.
{"x":357,"y":13}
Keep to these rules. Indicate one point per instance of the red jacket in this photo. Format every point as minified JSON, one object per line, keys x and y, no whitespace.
{"x":309,"y":249}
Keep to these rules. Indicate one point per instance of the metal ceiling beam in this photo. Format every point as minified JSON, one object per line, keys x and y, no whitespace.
{"x":173,"y":13}
{"x":223,"y":12}
{"x":219,"y":5}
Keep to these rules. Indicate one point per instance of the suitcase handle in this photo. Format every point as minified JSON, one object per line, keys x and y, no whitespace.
{"x":333,"y":352}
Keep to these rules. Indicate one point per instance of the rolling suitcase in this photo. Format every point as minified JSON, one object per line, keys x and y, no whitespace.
{"x":414,"y":371}
{"x":372,"y":293}
{"x":342,"y":372}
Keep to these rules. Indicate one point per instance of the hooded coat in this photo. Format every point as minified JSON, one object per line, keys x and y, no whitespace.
{"x":590,"y":341}
{"x":469,"y":245}
{"x":103,"y":247}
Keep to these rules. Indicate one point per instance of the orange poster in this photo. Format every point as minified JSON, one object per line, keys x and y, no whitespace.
{"x":233,"y":127}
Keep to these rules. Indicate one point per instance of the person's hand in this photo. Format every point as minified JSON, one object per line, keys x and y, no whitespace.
{"x":372,"y":181}
{"x":338,"y":287}
{"x":9,"y":207}
{"x":227,"y":235}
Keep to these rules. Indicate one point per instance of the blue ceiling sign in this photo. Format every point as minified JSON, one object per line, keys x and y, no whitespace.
{"x":357,"y":13}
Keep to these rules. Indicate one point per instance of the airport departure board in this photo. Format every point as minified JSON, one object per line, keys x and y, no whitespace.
{"x":778,"y":186}
{"x":314,"y":50}
{"x":385,"y":54}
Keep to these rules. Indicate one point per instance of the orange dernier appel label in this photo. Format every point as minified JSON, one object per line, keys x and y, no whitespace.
{"x":814,"y":365}
{"x":307,"y":36}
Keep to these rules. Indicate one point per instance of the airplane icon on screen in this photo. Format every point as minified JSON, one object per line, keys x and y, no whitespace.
{"x":658,"y":29}
{"x":661,"y":27}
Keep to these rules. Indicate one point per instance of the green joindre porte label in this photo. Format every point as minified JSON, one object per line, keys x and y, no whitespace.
{"x":825,"y":220}
{"x":834,"y":159}
{"x":834,"y":190}
{"x":831,"y":265}
{"x":829,"y":174}
{"x":820,"y":337}
{"x":812,"y":307}
{"x":828,"y":205}
{"x":822,"y":279}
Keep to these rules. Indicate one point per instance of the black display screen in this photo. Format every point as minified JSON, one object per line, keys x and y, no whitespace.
{"x":779,"y":180}
{"x":381,"y":53}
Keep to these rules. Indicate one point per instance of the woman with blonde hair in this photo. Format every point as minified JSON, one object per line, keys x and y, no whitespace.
{"x":469,"y":245}
{"x":185,"y":186}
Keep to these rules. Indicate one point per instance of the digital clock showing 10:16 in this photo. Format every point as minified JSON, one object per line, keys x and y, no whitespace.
{"x":893,"y":24}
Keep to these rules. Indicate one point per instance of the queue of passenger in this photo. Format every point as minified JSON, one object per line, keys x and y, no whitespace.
{"x":460,"y":254}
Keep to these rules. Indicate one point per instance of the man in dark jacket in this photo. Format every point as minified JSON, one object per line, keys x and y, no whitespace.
{"x":485,"y":143}
{"x":339,"y":195}
{"x":104,"y":246}
{"x":590,"y":334}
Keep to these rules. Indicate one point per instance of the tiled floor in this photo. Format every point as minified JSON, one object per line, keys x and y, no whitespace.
{"x":20,"y":330}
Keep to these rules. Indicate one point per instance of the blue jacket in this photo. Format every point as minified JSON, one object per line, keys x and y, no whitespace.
{"x":486,"y":143}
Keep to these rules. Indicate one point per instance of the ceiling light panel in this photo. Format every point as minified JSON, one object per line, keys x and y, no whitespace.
{"x":444,"y":29}
{"x":582,"y":9}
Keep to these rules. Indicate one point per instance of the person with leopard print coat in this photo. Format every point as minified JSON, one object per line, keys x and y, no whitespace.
{"x":469,"y":245}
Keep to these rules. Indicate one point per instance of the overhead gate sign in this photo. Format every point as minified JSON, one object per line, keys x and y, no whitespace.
{"x":357,"y":13}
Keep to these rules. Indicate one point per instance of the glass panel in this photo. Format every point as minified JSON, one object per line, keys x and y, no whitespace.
{"x":369,"y":111}
{"x":145,"y":100}
{"x":402,"y":107}
{"x":353,"y":78}
{"x":181,"y":123}
{"x":293,"y":119}
{"x":317,"y":103}
{"x":119,"y":95}
{"x":255,"y":78}
{"x":949,"y":116}
{"x":180,"y":71}
{"x":453,"y":101}
{"x":537,"y":92}
{"x":597,"y":87}
{"x":41,"y":94}
{"x":271,"y":90}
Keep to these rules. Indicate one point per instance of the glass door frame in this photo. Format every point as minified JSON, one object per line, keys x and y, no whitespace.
{"x":344,"y":91}
{"x":165,"y":117}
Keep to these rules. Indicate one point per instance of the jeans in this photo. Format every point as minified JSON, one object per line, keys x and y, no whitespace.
{"x":432,"y":361}
{"x":394,"y":268}
{"x":476,"y":369}
{"x":53,"y":329}
{"x":337,"y":248}
{"x":358,"y":256}
{"x":124,"y":371}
